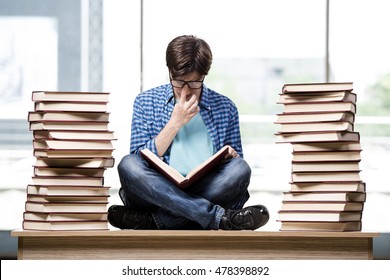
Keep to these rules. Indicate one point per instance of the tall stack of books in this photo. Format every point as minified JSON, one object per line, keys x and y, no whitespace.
{"x":73,"y":147}
{"x":327,"y":193}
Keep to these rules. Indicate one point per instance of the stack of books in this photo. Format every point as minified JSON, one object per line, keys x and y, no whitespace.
{"x":327,"y":192}
{"x":73,"y":147}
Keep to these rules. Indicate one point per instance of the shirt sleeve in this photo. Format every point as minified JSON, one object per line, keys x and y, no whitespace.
{"x":233,"y":131}
{"x":141,"y":134}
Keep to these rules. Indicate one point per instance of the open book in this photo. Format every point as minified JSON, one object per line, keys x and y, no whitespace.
{"x":195,"y":174}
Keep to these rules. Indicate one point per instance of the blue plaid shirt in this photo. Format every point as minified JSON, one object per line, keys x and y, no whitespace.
{"x":153,"y":108}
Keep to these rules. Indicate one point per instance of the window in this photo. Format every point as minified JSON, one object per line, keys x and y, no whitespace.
{"x":41,"y":49}
{"x":359,"y":53}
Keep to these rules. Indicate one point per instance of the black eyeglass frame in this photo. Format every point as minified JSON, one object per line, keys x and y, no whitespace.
{"x":188,"y":83}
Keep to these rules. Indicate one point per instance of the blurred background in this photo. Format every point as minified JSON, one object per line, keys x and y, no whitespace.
{"x":119,"y":46}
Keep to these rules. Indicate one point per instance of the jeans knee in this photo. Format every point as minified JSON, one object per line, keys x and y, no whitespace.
{"x":128,"y":166}
{"x":242,"y":169}
{"x":123,"y":164}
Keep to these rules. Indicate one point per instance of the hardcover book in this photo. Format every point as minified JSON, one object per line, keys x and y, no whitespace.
{"x":67,"y":181}
{"x":315,"y":126}
{"x":73,"y":135}
{"x":72,"y":144}
{"x":69,"y":171}
{"x":67,"y":198}
{"x":325,"y":176}
{"x":325,"y":166}
{"x":328,"y":186}
{"x":79,"y":162}
{"x":73,"y":154}
{"x":325,"y":196}
{"x":65,"y":225}
{"x":65,"y":207}
{"x":322,"y":226}
{"x":326,"y":146}
{"x":319,"y":216}
{"x":309,"y":117}
{"x":55,"y":190}
{"x":194,"y":175}
{"x":321,"y":206}
{"x":68,"y":116}
{"x":68,"y":125}
{"x":317,"y":97}
{"x":324,"y":156}
{"x":327,"y":136}
{"x":75,"y":96}
{"x":65,"y":106}
{"x":33,"y":216}
{"x":317,"y":87}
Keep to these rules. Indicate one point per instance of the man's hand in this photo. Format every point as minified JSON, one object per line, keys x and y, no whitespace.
{"x":231,"y":153}
{"x":185,"y":110}
{"x":182,"y":113}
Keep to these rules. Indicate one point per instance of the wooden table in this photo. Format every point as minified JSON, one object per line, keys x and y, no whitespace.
{"x":148,"y":244}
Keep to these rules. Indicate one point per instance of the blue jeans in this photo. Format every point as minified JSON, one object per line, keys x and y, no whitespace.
{"x":200,"y":206}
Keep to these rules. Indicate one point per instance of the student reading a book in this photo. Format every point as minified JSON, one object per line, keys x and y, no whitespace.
{"x":184,"y":123}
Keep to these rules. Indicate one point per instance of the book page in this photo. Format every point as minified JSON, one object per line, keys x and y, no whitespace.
{"x":161,"y":166}
{"x":175,"y":175}
{"x":216,"y":158}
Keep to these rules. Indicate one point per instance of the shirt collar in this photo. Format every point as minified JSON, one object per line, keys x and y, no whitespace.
{"x":204,"y":102}
{"x":168,"y":94}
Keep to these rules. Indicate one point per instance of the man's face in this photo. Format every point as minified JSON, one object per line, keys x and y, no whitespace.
{"x":189,"y":84}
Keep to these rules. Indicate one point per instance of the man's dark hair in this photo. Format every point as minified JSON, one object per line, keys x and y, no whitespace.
{"x":186,"y":54}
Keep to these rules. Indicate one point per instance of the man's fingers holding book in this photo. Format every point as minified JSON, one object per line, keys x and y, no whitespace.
{"x":232,"y":153}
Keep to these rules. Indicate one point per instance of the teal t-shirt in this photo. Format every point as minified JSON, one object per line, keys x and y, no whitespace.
{"x":191,"y":146}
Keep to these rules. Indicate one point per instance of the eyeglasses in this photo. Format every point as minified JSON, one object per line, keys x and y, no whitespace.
{"x":190,"y":84}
